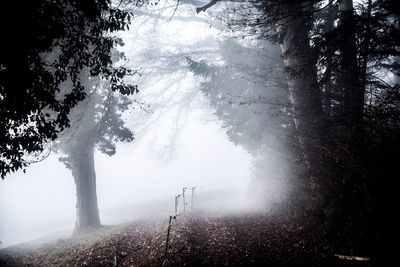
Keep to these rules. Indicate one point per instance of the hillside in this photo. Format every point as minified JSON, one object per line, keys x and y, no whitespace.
{"x":240,"y":240}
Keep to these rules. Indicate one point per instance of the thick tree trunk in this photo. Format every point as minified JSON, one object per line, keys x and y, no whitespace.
{"x":329,"y":86}
{"x":349,"y":73}
{"x":365,"y":49}
{"x":82,"y":165}
{"x":351,"y":134}
{"x":304,"y":90}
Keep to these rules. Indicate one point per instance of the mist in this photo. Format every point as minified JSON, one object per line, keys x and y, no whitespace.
{"x":42,"y":201}
{"x":179,"y":142}
{"x":188,"y":129}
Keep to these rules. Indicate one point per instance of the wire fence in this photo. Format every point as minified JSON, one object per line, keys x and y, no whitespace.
{"x":179,"y":212}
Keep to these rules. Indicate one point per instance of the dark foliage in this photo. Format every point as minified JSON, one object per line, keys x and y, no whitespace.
{"x":355,"y":53}
{"x":45,"y":44}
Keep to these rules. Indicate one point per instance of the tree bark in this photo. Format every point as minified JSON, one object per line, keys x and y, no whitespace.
{"x":303,"y":88}
{"x":205,"y":7}
{"x":365,"y":48}
{"x":83,"y":170}
{"x":329,"y":86}
{"x":349,"y":73}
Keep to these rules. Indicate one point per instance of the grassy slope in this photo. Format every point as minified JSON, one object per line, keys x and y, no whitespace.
{"x":246,"y":240}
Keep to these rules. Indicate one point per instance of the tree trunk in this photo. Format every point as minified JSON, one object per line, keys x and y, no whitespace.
{"x":82,"y":165}
{"x":350,"y":139}
{"x":329,"y":86}
{"x":349,"y":72}
{"x":304,"y":90}
{"x":365,"y":48}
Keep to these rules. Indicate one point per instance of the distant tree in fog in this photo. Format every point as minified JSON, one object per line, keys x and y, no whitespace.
{"x":247,"y":89}
{"x":96,"y":123}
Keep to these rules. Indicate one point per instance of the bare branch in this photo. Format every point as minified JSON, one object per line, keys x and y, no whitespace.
{"x":176,"y":8}
{"x":205,"y":7}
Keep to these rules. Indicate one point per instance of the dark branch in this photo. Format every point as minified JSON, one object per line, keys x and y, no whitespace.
{"x":205,"y":7}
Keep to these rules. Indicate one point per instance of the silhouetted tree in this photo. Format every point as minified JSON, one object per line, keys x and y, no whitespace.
{"x":342,"y":70}
{"x":47,"y":44}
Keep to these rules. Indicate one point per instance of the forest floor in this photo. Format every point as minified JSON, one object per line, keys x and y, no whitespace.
{"x":236,"y":240}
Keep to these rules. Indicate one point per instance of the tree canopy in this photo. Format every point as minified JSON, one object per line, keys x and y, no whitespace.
{"x":46,"y":45}
{"x":342,"y":72}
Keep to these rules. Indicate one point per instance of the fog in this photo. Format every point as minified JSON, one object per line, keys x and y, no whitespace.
{"x":201,"y":132}
{"x":179,"y":141}
{"x":42,"y":201}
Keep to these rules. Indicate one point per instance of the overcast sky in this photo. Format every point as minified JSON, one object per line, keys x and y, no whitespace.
{"x":153,"y":168}
{"x":42,"y":201}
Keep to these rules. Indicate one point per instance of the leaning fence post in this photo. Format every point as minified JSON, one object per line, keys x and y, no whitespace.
{"x":168,"y":232}
{"x":176,"y":205}
{"x":192,"y":200}
{"x":184,"y":199}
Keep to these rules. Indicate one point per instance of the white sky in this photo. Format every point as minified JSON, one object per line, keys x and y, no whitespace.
{"x":42,"y":201}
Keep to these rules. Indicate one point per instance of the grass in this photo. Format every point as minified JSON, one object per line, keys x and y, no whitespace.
{"x":240,"y":240}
